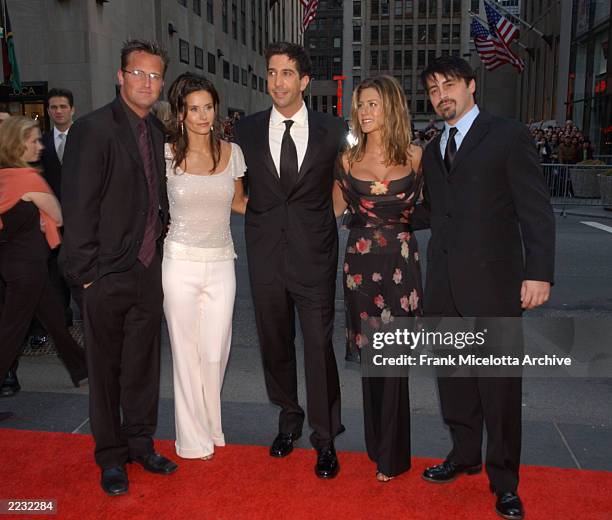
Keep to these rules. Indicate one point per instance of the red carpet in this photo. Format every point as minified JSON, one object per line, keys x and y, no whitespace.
{"x":244,"y":482}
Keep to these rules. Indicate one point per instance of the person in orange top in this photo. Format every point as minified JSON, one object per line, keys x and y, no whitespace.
{"x":29,"y":219}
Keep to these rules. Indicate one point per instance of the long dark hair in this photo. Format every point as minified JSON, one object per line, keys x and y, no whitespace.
{"x":182,"y":86}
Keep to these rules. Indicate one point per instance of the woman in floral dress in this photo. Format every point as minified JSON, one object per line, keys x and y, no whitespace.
{"x":380,"y":182}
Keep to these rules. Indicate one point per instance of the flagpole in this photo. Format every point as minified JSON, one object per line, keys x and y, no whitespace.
{"x":521,"y":45}
{"x":530,"y":27}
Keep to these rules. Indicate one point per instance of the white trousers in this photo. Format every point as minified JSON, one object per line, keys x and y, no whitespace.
{"x":198,"y":304}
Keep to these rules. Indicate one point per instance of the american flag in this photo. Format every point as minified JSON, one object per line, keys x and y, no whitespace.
{"x":492,"y":51}
{"x":500,"y":25}
{"x":310,"y":12}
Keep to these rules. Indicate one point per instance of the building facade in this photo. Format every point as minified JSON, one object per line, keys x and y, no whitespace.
{"x":76,"y":44}
{"x":589,"y":102}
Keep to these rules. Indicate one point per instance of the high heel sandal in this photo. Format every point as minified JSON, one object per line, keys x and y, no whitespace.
{"x":207,"y":457}
{"x":381,"y":477}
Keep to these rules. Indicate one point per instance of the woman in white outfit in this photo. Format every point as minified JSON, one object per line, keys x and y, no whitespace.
{"x":204,"y":185}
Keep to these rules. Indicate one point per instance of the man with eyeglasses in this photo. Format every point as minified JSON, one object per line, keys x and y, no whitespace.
{"x":115,"y":213}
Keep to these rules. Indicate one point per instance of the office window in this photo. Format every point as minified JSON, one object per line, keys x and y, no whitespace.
{"x":335,"y":105}
{"x":397,"y":60}
{"x":384,"y":60}
{"x":224,"y":15}
{"x":226,"y":69}
{"x":445,"y":36}
{"x":212,"y":62}
{"x":315,"y":103}
{"x":254,"y":26}
{"x":337,"y":43}
{"x":408,"y":8}
{"x":422,"y":8}
{"x":433,"y":8}
{"x":374,"y":59}
{"x":357,"y":8}
{"x":420,"y":105}
{"x":261,"y":85}
{"x":197,"y":7}
{"x":356,"y":80}
{"x":407,"y":34}
{"x":384,"y":35}
{"x":243,"y":26}
{"x":456,"y":8}
{"x":198,"y":57}
{"x":446,"y":8}
{"x":235,"y":19}
{"x":397,"y":34}
{"x":254,"y":81}
{"x":374,"y":35}
{"x":408,"y":59}
{"x":384,"y":7}
{"x":431,"y":55}
{"x":356,"y":33}
{"x":408,"y":83}
{"x":245,"y":77}
{"x":399,"y":5}
{"x":431,"y":37}
{"x":422,"y":34}
{"x":235,"y":74}
{"x":183,"y":51}
{"x":374,"y":9}
{"x":456,"y":36}
{"x":475,"y":6}
{"x":210,"y":12}
{"x":356,"y":58}
{"x":421,"y":59}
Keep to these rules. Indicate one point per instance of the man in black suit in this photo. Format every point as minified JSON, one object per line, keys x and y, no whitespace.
{"x":115,"y":213}
{"x":485,"y":201}
{"x":292,"y":249}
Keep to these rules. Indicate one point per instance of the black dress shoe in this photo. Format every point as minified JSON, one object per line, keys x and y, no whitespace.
{"x":38,"y":341}
{"x":449,"y":471}
{"x":10,"y":385}
{"x":78,"y":376}
{"x":327,"y":463}
{"x":509,"y":506}
{"x":156,"y":463}
{"x":5,"y":415}
{"x":114,"y":481}
{"x":283,"y":444}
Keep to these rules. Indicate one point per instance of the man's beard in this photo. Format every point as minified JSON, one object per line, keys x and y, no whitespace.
{"x":450,"y":112}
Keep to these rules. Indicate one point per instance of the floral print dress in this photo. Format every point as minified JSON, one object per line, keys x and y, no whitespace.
{"x":382,"y":278}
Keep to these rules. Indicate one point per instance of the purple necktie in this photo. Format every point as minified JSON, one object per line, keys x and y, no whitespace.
{"x":147,"y":249}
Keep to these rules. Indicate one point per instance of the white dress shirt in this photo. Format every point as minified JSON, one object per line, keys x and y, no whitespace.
{"x":299,"y":134}
{"x":57,"y":139}
{"x":463,"y":127}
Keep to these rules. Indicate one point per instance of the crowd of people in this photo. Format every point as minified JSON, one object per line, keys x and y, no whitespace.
{"x":561,"y":145}
{"x":131,"y":186}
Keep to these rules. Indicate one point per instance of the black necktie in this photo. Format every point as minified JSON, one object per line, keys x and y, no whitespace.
{"x":288,"y":159}
{"x":451,"y":149}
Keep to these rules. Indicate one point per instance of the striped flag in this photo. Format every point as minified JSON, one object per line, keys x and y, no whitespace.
{"x":310,"y":12}
{"x":492,"y":51}
{"x":500,"y":25}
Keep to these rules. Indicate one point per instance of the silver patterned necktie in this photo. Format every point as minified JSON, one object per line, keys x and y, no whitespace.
{"x":60,"y":147}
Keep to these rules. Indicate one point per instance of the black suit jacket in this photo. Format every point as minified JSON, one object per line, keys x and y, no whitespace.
{"x":492,"y":225}
{"x":52,"y":168}
{"x":105,"y":194}
{"x":300,"y":224}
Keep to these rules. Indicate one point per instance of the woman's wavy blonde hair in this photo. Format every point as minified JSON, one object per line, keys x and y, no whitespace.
{"x":395,"y":132}
{"x":14,"y":132}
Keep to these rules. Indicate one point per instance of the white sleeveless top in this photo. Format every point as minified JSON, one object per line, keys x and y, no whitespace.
{"x":200,"y":208}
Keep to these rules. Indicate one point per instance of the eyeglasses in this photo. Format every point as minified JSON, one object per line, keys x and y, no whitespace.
{"x":142,"y":75}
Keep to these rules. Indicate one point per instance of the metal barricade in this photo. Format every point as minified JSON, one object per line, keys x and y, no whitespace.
{"x":573,"y":185}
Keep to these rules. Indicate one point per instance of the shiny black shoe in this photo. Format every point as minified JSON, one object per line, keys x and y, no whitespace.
{"x":114,"y":481}
{"x":283,"y":444}
{"x":10,"y":385}
{"x":327,"y":462}
{"x":509,"y":506}
{"x":448,"y":471}
{"x":156,"y":463}
{"x":5,"y":415}
{"x":78,"y":376}
{"x":38,"y":341}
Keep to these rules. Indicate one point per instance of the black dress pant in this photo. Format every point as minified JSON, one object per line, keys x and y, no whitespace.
{"x":468,"y":403}
{"x":122,"y":317}
{"x":29,"y":292}
{"x":275,"y":305}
